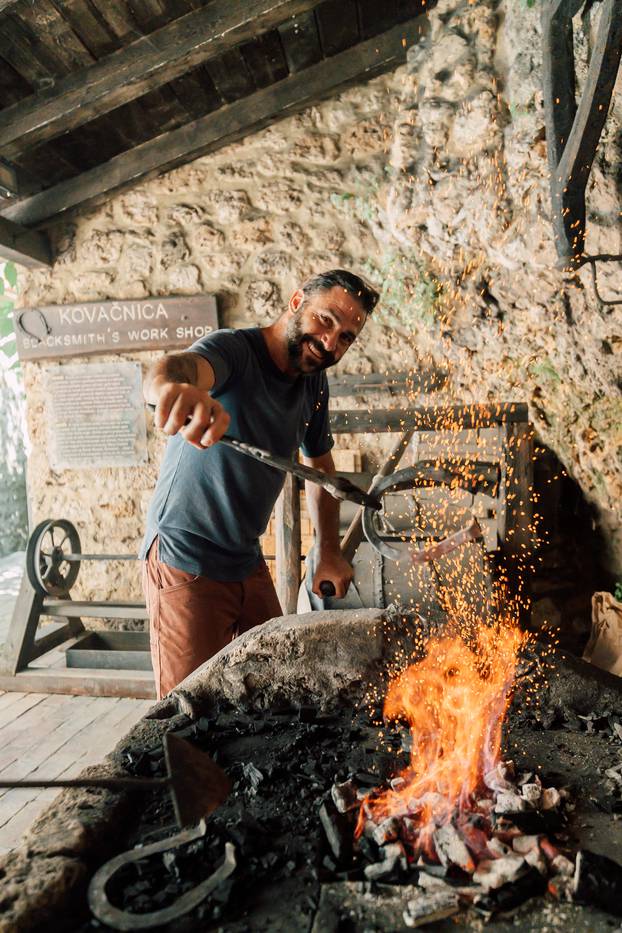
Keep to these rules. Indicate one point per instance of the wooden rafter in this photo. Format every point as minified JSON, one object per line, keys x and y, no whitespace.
{"x":142,"y":66}
{"x":26,"y":247}
{"x":224,"y":126}
{"x":573,"y":132}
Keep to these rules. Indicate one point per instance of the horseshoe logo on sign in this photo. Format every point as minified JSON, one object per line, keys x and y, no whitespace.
{"x":41,"y":319}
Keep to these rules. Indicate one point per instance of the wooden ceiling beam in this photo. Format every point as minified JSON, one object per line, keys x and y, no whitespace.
{"x":221,"y":127}
{"x":27,"y":247}
{"x":142,"y":66}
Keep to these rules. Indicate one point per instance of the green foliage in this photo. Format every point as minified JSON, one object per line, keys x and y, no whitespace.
{"x":545,"y":371}
{"x":10,"y":274}
{"x":617,"y":591}
{"x":8,"y":347}
{"x":408,"y":293}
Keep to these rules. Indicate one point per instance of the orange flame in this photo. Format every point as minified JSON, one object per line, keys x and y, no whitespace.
{"x":455,"y":701}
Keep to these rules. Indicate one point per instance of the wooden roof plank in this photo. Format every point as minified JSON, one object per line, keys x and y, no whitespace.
{"x":143,"y":65}
{"x":27,"y":247}
{"x":197,"y":92}
{"x":264,"y":56}
{"x":54,"y":33}
{"x":337,"y":22}
{"x":118,"y":19}
{"x":25,"y":52}
{"x":301,"y":42}
{"x":375,"y":17}
{"x":223,"y":126}
{"x":91,"y":29}
{"x":231,"y":76}
{"x":13,"y":86}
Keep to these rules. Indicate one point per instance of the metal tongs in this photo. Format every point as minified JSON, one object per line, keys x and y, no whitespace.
{"x":421,"y":475}
{"x":338,"y":486}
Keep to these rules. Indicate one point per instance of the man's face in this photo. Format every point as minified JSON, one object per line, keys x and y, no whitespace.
{"x":322,"y":328}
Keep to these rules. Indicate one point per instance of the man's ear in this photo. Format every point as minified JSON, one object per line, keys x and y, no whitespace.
{"x":295,"y":302}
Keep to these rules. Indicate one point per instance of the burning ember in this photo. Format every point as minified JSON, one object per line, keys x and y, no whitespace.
{"x":454,"y":702}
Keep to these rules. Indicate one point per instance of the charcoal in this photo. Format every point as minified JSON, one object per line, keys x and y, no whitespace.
{"x":532,"y":793}
{"x":550,"y":798}
{"x":338,"y":830}
{"x":598,"y":882}
{"x":533,"y":822}
{"x":512,"y":895}
{"x":562,"y":866}
{"x":451,"y":849}
{"x":508,"y":802}
{"x":524,"y":844}
{"x":382,"y":871}
{"x":428,"y":907}
{"x":365,"y":779}
{"x":368,"y":849}
{"x":536,"y":859}
{"x":344,"y":796}
{"x":500,"y":778}
{"x":437,"y":871}
{"x":494,"y":873}
{"x":387,"y":831}
{"x":253,"y":776}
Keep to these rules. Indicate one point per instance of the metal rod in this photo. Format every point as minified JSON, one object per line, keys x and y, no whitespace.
{"x":107,"y":783}
{"x":76,"y":558}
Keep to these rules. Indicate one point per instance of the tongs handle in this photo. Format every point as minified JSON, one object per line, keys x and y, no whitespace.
{"x":338,"y":486}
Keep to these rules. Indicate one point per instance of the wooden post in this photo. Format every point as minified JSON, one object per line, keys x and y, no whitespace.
{"x":287,"y":534}
{"x":517,"y":537}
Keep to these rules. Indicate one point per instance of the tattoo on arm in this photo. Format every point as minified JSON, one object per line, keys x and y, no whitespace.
{"x":181,"y":368}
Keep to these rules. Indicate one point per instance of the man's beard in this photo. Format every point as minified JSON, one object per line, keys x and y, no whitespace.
{"x":296,"y":340}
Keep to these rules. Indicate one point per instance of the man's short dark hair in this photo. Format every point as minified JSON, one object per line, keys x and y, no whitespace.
{"x":353,"y":284}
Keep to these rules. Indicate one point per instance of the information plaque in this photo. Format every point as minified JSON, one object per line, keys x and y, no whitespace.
{"x":96,"y":416}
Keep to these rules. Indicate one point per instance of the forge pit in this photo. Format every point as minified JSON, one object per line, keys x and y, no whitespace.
{"x":283,"y":712}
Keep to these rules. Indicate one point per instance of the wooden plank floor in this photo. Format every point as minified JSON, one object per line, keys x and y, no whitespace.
{"x":53,"y":736}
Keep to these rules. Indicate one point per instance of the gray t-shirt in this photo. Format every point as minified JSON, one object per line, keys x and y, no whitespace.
{"x":210,"y":506}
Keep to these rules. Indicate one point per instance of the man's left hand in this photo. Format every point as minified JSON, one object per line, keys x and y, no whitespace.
{"x":332,"y":566}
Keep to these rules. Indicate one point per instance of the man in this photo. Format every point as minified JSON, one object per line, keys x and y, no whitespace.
{"x":204,"y":575}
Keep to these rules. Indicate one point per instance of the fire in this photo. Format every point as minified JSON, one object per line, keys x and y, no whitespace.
{"x":454,"y":701}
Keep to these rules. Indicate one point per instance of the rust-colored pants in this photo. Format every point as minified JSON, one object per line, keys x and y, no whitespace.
{"x":191,"y":618}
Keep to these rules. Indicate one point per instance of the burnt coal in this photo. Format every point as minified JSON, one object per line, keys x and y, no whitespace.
{"x":598,"y":882}
{"x":284,"y":763}
{"x":512,"y":894}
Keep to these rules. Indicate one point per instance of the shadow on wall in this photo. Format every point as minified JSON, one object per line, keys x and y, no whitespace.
{"x":13,"y":439}
{"x":571,"y":559}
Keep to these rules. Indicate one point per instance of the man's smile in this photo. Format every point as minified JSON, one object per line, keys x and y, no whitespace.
{"x":318,"y":354}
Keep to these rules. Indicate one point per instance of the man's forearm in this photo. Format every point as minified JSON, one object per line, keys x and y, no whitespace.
{"x":176,"y":367}
{"x":324,"y":513}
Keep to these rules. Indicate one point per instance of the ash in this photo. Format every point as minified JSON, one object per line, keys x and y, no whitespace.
{"x":300,"y":776}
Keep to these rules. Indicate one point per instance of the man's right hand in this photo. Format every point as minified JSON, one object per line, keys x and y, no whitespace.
{"x":180,"y":401}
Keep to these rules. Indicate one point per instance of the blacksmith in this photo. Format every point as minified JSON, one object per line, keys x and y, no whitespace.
{"x":204,"y":575}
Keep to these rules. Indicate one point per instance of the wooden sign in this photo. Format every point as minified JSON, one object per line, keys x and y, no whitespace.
{"x":95,"y":415}
{"x":56,"y":331}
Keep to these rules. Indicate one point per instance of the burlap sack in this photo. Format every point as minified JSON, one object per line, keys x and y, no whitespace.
{"x":604,"y":648}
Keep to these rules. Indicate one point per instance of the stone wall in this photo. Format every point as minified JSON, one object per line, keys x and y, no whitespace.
{"x":467,"y":214}
{"x":433,"y":181}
